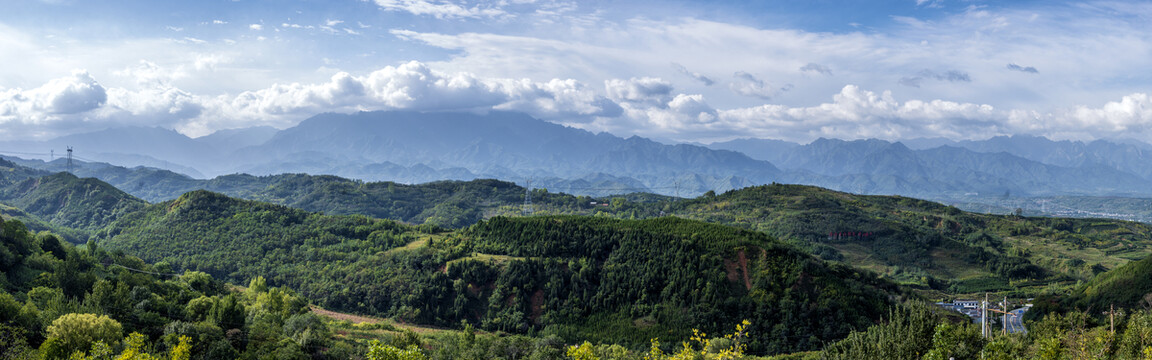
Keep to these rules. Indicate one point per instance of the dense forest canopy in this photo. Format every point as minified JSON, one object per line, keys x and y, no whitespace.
{"x":60,"y":301}
{"x":594,"y":278}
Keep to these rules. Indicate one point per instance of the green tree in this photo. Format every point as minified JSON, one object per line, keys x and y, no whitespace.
{"x":379,"y":351}
{"x":257,"y":286}
{"x":183,"y":350}
{"x":227,"y":313}
{"x":77,"y":332}
{"x":1137,"y":339}
{"x":134,"y":348}
{"x":307,"y":330}
{"x":584,"y":351}
{"x":955,"y":341}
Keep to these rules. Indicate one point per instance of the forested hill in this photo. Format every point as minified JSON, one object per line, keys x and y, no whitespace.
{"x":927,"y":243}
{"x":58,"y":301}
{"x":1128,"y":287}
{"x":576,"y":277}
{"x":11,"y":173}
{"x":65,"y":200}
{"x":452,"y":204}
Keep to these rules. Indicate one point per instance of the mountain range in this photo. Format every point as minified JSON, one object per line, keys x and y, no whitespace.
{"x":644,"y":278}
{"x":418,"y":147}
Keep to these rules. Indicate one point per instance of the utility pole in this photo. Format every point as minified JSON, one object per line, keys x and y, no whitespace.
{"x":69,"y":159}
{"x":527,"y":210}
{"x":1112,"y":316}
{"x":1005,"y":316}
{"x":984,"y":317}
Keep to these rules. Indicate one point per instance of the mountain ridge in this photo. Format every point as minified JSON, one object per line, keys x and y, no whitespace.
{"x":419,"y":147}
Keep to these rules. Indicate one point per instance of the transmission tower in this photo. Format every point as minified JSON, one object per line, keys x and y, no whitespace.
{"x":69,"y":159}
{"x":528,"y":198}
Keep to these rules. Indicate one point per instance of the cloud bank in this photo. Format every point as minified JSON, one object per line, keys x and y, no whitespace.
{"x":644,"y":106}
{"x":648,"y":70}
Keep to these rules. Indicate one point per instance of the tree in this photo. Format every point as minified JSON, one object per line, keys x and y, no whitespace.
{"x":258,"y":286}
{"x":307,"y":330}
{"x":582,"y":352}
{"x":183,"y":350}
{"x":77,"y":332}
{"x":379,"y":351}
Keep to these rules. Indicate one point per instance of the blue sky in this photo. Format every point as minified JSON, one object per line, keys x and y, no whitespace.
{"x":696,"y":71}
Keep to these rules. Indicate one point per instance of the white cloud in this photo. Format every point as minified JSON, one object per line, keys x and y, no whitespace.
{"x":643,"y":106}
{"x":549,"y":58}
{"x":442,"y":9}
{"x":648,"y":90}
{"x":1131,"y":116}
{"x":209,"y":61}
{"x":750,"y":85}
{"x":816,"y":68}
{"x":567,"y":100}
{"x":59,"y":97}
{"x":160,"y":106}
{"x":219,"y":22}
{"x":855,"y":113}
{"x":149,"y":74}
{"x":1086,"y":57}
{"x":1025,"y":69}
{"x":415,"y":86}
{"x":695,"y":75}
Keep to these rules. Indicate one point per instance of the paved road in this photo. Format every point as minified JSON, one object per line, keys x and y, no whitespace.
{"x":1016,"y":323}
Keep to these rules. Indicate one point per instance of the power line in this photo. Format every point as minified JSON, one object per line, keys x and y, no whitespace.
{"x":144,"y":271}
{"x":24,"y":153}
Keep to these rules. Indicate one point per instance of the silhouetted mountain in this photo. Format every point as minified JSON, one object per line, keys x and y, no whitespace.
{"x":227,"y":141}
{"x":759,"y":149}
{"x":421,"y":147}
{"x":1132,"y":157}
{"x":882,"y":167}
{"x":927,"y":143}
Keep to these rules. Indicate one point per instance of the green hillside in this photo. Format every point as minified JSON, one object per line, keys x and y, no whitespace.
{"x":67,"y":201}
{"x":228,"y":237}
{"x":454,"y":204}
{"x":915,"y":242}
{"x":1127,"y":287}
{"x":58,"y":301}
{"x":11,"y":173}
{"x":576,"y":277}
{"x":926,"y":243}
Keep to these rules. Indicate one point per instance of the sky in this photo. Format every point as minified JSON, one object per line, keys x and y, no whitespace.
{"x":676,"y":71}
